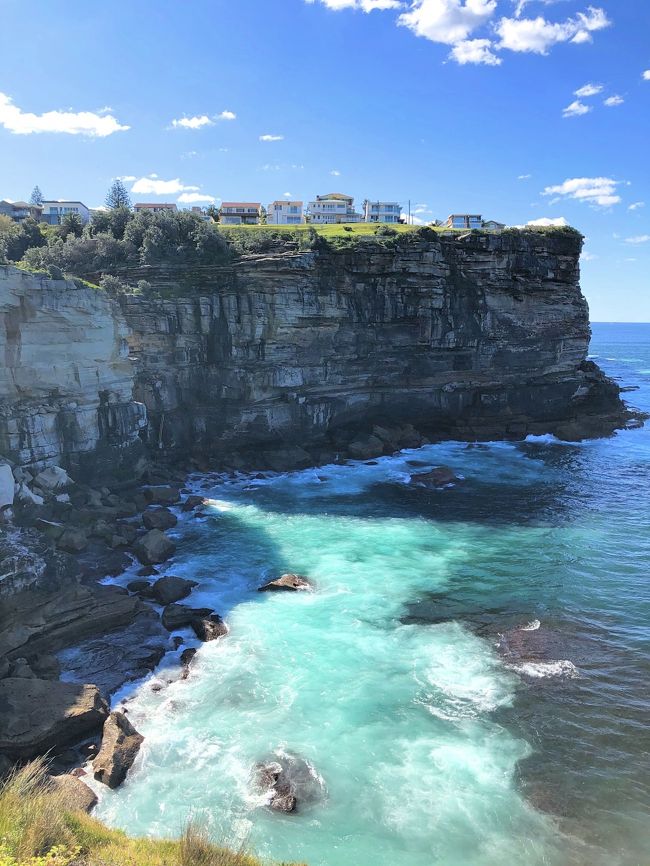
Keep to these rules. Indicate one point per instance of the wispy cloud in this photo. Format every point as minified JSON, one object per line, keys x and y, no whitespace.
{"x":87,"y":123}
{"x":335,"y":172}
{"x":478,"y":51}
{"x":646,"y":75}
{"x":596,"y":191}
{"x":638,"y":239}
{"x":227,"y":115}
{"x":611,"y":101}
{"x":524,"y":177}
{"x":576,"y":108}
{"x":588,"y":90}
{"x":636,"y":205}
{"x":198,"y":122}
{"x":268,"y":137}
{"x":363,"y":5}
{"x":538,"y":36}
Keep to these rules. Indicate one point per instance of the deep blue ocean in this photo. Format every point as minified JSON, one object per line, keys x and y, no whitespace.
{"x":469,"y":685}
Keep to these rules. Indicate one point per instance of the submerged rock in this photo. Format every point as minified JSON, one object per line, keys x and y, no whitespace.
{"x":120,"y":746}
{"x":289,"y":781}
{"x":193,"y":502}
{"x":439,"y":476}
{"x":289,"y":582}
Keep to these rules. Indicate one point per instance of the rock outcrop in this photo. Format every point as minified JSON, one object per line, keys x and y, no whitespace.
{"x":38,"y":715}
{"x":120,"y":746}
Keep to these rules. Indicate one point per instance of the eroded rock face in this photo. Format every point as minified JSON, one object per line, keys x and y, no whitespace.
{"x":66,"y":381}
{"x":120,"y":746}
{"x":38,"y":715}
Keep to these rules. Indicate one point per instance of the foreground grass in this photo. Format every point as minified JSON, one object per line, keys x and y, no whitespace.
{"x":38,"y":829}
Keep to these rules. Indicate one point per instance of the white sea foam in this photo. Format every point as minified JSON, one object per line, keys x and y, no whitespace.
{"x":533,"y":625}
{"x":542,"y":670}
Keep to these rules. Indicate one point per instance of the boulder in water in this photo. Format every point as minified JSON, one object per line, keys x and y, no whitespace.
{"x":159,"y":518}
{"x":169,"y":589}
{"x":209,"y":627}
{"x":176,"y":616}
{"x":289,"y":582}
{"x":120,"y":745}
{"x":193,"y":502}
{"x":154,"y":547}
{"x":289,"y":782}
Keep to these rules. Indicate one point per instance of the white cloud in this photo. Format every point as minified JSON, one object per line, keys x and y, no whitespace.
{"x":537,"y":35}
{"x":636,"y":205}
{"x":154,"y":186}
{"x":227,"y":115}
{"x":548,"y":221}
{"x":646,"y":75}
{"x":126,"y":178}
{"x":638,"y":239}
{"x":524,"y":177}
{"x":475,"y":51}
{"x":287,"y":194}
{"x":92,"y":124}
{"x":363,"y":5}
{"x":597,"y":191}
{"x":192,"y":122}
{"x":271,"y":137}
{"x":335,"y":173}
{"x":195,"y":198}
{"x":588,"y":257}
{"x":611,"y":101}
{"x":576,"y":109}
{"x":588,"y":90}
{"x":447,"y":21}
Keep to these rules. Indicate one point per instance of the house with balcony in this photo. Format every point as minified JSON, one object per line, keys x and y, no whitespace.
{"x":284,"y":213}
{"x":333,"y":208}
{"x":154,"y":207}
{"x":493,"y":226}
{"x":464,"y":221}
{"x":20,"y":210}
{"x":240,"y":213}
{"x":382,"y":212}
{"x":53,"y":212}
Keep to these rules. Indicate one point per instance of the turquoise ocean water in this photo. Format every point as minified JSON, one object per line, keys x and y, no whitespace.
{"x":469,"y":685}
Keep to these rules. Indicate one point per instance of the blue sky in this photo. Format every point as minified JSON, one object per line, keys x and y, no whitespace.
{"x":489,"y":106}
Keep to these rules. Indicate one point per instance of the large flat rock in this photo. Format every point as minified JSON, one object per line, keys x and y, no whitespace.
{"x":38,"y":715}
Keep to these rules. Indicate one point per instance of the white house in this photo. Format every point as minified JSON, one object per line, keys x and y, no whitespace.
{"x":54,"y":211}
{"x":382,"y":211}
{"x":283,"y":212}
{"x":333,"y":208}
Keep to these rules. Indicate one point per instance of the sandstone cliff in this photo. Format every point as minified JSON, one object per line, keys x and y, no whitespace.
{"x":471,"y":337}
{"x":66,"y":381}
{"x":475,"y":336}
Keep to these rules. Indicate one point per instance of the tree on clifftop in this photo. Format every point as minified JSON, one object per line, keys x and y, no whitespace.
{"x":117,"y":195}
{"x":36,"y":196}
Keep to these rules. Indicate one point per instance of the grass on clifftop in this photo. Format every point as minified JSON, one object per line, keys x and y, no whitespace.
{"x":37,"y":828}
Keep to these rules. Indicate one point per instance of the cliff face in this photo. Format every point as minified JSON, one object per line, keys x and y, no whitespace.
{"x":479,"y":337}
{"x":66,"y":381}
{"x":473,"y":337}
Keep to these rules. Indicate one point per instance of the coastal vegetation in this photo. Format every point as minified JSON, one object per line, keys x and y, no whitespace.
{"x":118,"y":239}
{"x":39,"y":828}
